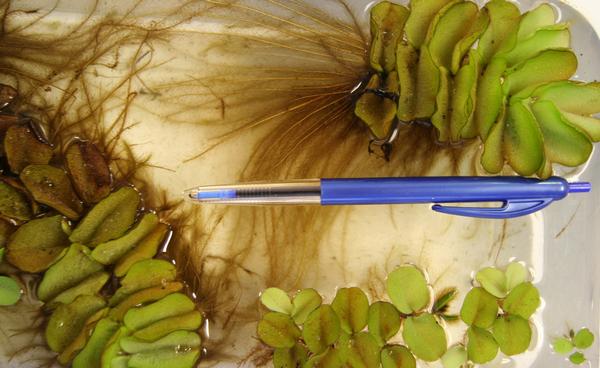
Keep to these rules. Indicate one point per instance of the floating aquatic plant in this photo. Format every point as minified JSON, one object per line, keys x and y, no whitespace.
{"x":334,"y":335}
{"x":512,"y":89}
{"x":147,"y":321}
{"x":580,"y":340}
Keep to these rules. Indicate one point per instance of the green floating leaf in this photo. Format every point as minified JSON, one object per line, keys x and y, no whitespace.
{"x":387,"y":27}
{"x":330,"y":358}
{"x":278,"y":330}
{"x":164,"y":358}
{"x":51,"y":186}
{"x":89,"y":357}
{"x":563,"y":143}
{"x":276,"y":300}
{"x":10,"y":291}
{"x":583,"y":339}
{"x":170,"y":306}
{"x":150,"y":294}
{"x":321,"y":329}
{"x":493,"y":281}
{"x":37,"y":244}
{"x":522,"y":301}
{"x":422,"y":12}
{"x":455,"y":357}
{"x":562,"y":345}
{"x":75,"y":266}
{"x":306,"y":301}
{"x":293,"y":357}
{"x":501,"y":34}
{"x":397,"y":356}
{"x":407,"y":288}
{"x":541,"y":16}
{"x":190,"y":321}
{"x":384,"y":321}
{"x":68,"y":320}
{"x":425,"y":337}
{"x":364,"y":351}
{"x":109,"y":219}
{"x":481,"y":346}
{"x":512,"y":333}
{"x":516,"y":274}
{"x":180,"y":340}
{"x":406,"y":67}
{"x":479,"y":308}
{"x":352,"y":308}
{"x":145,"y":249}
{"x":111,"y":251}
{"x":577,"y":358}
{"x":90,"y":286}
{"x":144,"y":274}
{"x":571,"y":96}
{"x":523,"y":140}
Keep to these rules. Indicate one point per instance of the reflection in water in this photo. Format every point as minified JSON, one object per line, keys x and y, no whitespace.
{"x":184,"y":93}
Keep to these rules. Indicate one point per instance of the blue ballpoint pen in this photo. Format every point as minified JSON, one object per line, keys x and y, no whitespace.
{"x":518,"y":196}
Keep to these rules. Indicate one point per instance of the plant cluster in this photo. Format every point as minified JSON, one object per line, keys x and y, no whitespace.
{"x":583,"y":339}
{"x":512,"y":90}
{"x":112,"y":301}
{"x":304,"y":332}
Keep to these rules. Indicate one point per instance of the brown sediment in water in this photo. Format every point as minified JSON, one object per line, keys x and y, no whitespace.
{"x":287,"y":84}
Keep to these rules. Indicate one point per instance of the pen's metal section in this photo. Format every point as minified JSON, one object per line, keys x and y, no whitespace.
{"x":292,"y":192}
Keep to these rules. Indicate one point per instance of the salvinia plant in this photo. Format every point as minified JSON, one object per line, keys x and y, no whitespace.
{"x":411,"y":326}
{"x":491,"y":73}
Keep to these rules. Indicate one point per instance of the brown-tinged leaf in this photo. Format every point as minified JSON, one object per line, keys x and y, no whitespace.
{"x":89,"y":171}
{"x":51,"y":186}
{"x":24,"y":148}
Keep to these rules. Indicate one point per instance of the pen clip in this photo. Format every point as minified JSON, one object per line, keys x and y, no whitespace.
{"x":511,"y":208}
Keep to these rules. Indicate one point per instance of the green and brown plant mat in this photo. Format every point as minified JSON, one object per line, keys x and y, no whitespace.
{"x":111,"y":295}
{"x":350,"y":332}
{"x":512,"y":89}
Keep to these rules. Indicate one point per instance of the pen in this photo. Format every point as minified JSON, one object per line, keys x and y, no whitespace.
{"x":517,"y":196}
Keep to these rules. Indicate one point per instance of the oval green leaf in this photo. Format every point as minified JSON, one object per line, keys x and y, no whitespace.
{"x":51,"y":186}
{"x":109,"y":219}
{"x":493,"y":281}
{"x":512,"y":333}
{"x":10,"y":291}
{"x":577,"y":358}
{"x":352,"y":307}
{"x":384,"y":321}
{"x":306,"y":301}
{"x":37,"y":244}
{"x":397,"y":356}
{"x":522,"y":301}
{"x":583,"y":339}
{"x":479,"y":308}
{"x":455,"y":357}
{"x":425,"y":337}
{"x":481,"y":346}
{"x":516,"y":274}
{"x":290,"y":357}
{"x":278,"y":330}
{"x":408,"y":289}
{"x":321,"y":329}
{"x":276,"y":300}
{"x":364,"y":351}
{"x":562,"y":345}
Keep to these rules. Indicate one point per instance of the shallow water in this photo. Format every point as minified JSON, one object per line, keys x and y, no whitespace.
{"x":243,"y":69}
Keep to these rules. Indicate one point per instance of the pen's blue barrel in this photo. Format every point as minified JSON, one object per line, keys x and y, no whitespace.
{"x":439,"y":189}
